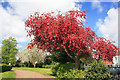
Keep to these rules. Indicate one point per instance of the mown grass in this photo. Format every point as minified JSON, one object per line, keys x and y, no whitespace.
{"x":39,"y":70}
{"x":8,"y":74}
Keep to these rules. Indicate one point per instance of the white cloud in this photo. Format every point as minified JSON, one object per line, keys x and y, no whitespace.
{"x":0,"y":44}
{"x":109,"y":27}
{"x":81,"y":0}
{"x":11,"y":25}
{"x":26,"y":7}
{"x":11,"y":20}
{"x":97,"y":0}
{"x":96,"y":4}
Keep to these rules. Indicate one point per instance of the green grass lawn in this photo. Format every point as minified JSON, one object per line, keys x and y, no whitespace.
{"x":40,"y":70}
{"x":8,"y":74}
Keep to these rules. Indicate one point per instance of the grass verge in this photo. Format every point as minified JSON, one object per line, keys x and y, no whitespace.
{"x":8,"y":74}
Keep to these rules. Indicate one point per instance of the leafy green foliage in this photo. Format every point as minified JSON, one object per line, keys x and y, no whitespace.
{"x":60,"y":56}
{"x":63,"y":69}
{"x":48,"y":60}
{"x":73,"y":73}
{"x":39,"y":64}
{"x":5,"y":67}
{"x":48,"y":66}
{"x":28,"y":64}
{"x":97,"y":70}
{"x":9,"y":50}
{"x":17,"y":64}
{"x":55,"y":68}
{"x":84,"y":61}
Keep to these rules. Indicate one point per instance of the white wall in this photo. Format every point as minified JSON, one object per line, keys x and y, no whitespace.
{"x":116,"y":60}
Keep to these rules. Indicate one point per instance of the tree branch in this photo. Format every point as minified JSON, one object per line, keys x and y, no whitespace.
{"x":69,"y":54}
{"x":79,"y":56}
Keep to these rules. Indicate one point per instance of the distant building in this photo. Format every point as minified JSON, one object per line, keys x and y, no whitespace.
{"x":108,"y":63}
{"x":116,"y":60}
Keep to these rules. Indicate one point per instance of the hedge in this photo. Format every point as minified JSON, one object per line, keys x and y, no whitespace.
{"x":5,"y":67}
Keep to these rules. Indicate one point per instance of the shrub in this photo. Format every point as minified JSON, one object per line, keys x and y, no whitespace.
{"x":22,"y":65}
{"x":64,"y":68}
{"x":31,"y":65}
{"x":48,"y":66}
{"x":47,"y":60}
{"x":73,"y":73}
{"x":55,"y":68}
{"x":17,"y":65}
{"x":27,"y":64}
{"x":40,"y":64}
{"x":97,"y":70}
{"x":5,"y":67}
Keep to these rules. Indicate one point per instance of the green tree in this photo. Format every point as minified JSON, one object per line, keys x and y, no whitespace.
{"x":9,"y":50}
{"x":0,"y":55}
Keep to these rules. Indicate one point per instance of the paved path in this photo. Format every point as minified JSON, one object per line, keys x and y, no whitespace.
{"x":29,"y":74}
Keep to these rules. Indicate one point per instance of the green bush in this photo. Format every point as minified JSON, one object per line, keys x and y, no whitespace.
{"x":54,"y":68}
{"x":40,"y":64}
{"x":48,"y":66}
{"x":73,"y":73}
{"x":48,"y":60}
{"x":97,"y":70}
{"x":17,"y":65}
{"x":5,"y":67}
{"x":27,"y":64}
{"x":64,"y":68}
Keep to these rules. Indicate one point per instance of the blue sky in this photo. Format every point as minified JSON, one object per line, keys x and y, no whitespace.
{"x":94,"y":14}
{"x":5,"y":5}
{"x":14,"y":15}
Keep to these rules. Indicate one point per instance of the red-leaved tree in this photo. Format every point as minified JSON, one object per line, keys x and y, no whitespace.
{"x":104,"y":49}
{"x":57,"y":32}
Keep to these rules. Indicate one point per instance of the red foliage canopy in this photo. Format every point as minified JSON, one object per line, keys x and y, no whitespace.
{"x":55,"y":32}
{"x":105,"y":49}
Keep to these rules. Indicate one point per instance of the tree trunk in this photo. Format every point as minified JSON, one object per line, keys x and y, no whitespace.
{"x":29,"y":64}
{"x":34,"y":65}
{"x":76,"y":59}
{"x":77,"y":63}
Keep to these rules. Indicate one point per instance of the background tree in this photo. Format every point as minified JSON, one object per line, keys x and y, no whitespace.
{"x":9,"y":50}
{"x":65,"y":32}
{"x":24,"y":57}
{"x":33,"y":55}
{"x":104,"y":49}
{"x":0,"y":56}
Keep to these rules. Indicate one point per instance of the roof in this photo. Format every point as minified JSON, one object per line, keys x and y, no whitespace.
{"x":108,"y":62}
